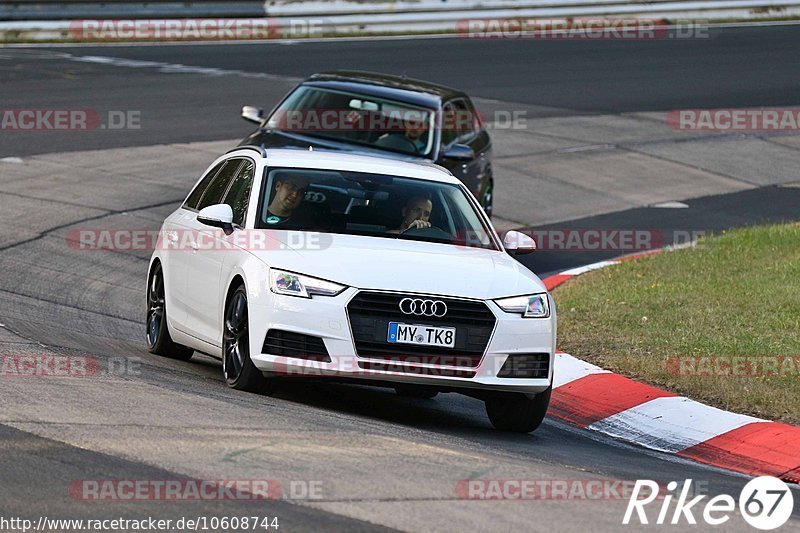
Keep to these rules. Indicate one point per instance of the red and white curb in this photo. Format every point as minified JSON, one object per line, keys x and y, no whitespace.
{"x":588,"y":396}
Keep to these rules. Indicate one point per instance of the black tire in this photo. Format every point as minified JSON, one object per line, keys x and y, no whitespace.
{"x":488,"y":199}
{"x":158,"y":338}
{"x":237,"y":368}
{"x":416,"y":391}
{"x":517,"y":412}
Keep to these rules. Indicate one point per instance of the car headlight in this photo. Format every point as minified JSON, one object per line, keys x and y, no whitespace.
{"x":291,"y":284}
{"x":533,"y":306}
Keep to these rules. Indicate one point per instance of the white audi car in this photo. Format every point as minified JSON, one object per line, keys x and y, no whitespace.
{"x":308,"y":264}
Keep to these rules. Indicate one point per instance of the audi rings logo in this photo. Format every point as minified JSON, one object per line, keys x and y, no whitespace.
{"x":315,"y":197}
{"x":420,"y":307}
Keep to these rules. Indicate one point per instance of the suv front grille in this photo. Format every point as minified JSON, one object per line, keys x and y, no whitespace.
{"x":371,"y":312}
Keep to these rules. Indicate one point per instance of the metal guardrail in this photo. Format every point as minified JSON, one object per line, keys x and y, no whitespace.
{"x":81,"y":9}
{"x":417,"y":9}
{"x":31,"y":20}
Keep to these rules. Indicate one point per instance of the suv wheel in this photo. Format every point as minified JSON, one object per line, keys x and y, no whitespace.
{"x":488,"y":199}
{"x":238,"y":369}
{"x":517,"y":412}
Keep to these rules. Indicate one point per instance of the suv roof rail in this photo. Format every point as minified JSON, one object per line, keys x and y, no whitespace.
{"x":259,"y":149}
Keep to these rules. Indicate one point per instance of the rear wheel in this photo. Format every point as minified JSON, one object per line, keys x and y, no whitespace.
{"x":488,"y":199}
{"x":416,"y":391}
{"x":159,"y":341}
{"x":517,"y":412}
{"x":238,"y":369}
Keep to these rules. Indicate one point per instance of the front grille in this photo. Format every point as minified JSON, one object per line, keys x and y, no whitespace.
{"x":371,"y":312}
{"x":291,"y":344}
{"x":526,"y":365}
{"x":420,"y":371}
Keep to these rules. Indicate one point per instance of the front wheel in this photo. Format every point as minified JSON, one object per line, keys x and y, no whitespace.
{"x":488,"y":199}
{"x":517,"y":412}
{"x":238,"y":369}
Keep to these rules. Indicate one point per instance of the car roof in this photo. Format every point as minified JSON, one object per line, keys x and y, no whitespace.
{"x":287,"y":157}
{"x":400,"y":88}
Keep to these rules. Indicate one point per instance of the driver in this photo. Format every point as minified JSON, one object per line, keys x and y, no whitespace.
{"x":413,"y":135}
{"x":289,"y":194}
{"x":416,"y":213}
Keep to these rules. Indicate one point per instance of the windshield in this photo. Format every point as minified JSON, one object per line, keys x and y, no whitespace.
{"x":357,"y":119}
{"x":376,"y":205}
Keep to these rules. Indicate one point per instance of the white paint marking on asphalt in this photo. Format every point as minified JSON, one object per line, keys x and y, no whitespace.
{"x":588,"y":268}
{"x":671,"y":424}
{"x":176,"y":68}
{"x":671,"y":205}
{"x":586,"y":148}
{"x":14,"y":160}
{"x":569,"y":368}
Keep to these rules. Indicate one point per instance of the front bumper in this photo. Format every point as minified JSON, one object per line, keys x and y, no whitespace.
{"x":327,"y":318}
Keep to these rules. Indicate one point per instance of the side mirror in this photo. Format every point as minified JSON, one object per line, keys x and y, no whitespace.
{"x":461,"y":152}
{"x":253,"y":114}
{"x":518,"y":243}
{"x":218,"y":216}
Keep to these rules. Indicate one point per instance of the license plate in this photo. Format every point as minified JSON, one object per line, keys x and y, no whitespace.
{"x":421,"y":335}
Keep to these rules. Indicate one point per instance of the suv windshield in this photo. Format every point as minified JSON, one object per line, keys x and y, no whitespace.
{"x":358,"y":119}
{"x":377,"y":205}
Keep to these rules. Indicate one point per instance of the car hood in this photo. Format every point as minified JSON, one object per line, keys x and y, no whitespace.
{"x":404,"y":265}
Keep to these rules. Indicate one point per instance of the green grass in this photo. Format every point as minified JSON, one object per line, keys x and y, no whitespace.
{"x":737,"y":294}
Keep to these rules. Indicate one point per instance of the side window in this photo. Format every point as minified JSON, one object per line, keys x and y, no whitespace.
{"x":475,"y":124}
{"x":239,"y":192}
{"x":216,"y":190}
{"x":194,"y":197}
{"x":449,"y":121}
{"x":466,"y":123}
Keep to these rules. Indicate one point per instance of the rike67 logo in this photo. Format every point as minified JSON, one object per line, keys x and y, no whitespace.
{"x":765,"y":503}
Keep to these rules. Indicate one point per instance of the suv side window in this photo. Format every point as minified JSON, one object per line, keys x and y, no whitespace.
{"x":449,"y":120}
{"x":238,"y":194}
{"x":460,"y":122}
{"x":216,"y":190}
{"x":194,"y":197}
{"x":466,"y":125}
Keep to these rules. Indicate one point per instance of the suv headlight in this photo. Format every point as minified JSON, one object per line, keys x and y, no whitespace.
{"x":292,"y":284}
{"x":533,"y":306}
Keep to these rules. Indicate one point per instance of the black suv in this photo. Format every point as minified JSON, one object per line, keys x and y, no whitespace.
{"x":388,"y":116}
